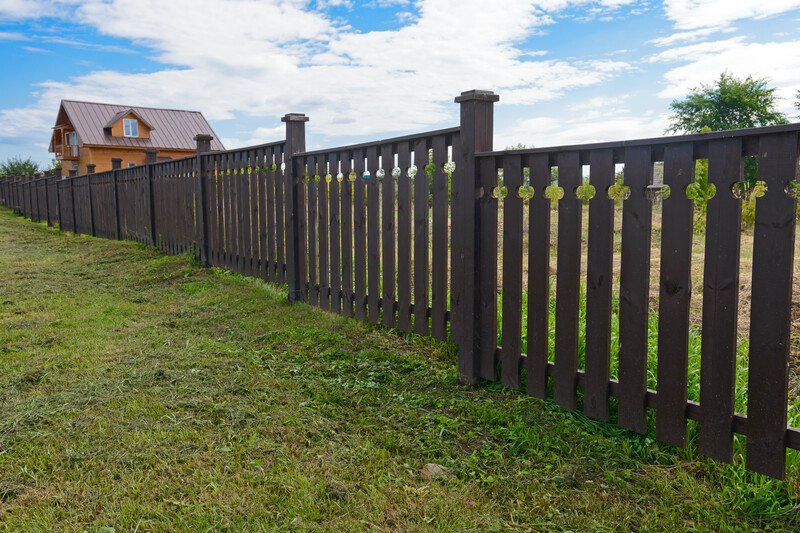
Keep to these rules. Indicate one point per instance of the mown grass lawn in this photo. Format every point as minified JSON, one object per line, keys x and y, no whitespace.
{"x":141,"y":393}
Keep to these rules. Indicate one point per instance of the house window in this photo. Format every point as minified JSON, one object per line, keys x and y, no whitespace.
{"x":131,"y":164}
{"x":130,"y":127}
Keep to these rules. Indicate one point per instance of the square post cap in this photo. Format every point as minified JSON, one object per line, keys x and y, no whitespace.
{"x":150,"y":155}
{"x":294,"y":117}
{"x":203,"y":141}
{"x":477,"y":95}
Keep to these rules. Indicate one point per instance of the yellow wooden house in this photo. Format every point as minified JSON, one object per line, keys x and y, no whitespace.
{"x":89,"y":133}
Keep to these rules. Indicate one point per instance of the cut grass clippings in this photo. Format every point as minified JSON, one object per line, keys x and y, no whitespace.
{"x":140,"y":392}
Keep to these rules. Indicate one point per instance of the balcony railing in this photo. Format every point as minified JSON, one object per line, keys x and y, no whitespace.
{"x":66,"y":151}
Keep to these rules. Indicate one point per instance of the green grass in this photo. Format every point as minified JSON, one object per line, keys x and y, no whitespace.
{"x":139,"y":392}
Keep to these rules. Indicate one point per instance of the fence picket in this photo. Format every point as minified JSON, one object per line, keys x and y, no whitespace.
{"x":720,"y":301}
{"x":487,"y":296}
{"x":322,"y":234}
{"x":360,"y":236}
{"x":770,"y":311}
{"x":388,"y":211}
{"x":634,"y":291}
{"x":512,"y":274}
{"x":568,"y":267}
{"x":373,"y":237}
{"x":439,"y":239}
{"x":675,"y":296}
{"x":420,"y":238}
{"x":599,"y":267}
{"x":311,"y":211}
{"x":538,"y":278}
{"x":403,"y":238}
{"x":347,"y":234}
{"x":335,"y":234}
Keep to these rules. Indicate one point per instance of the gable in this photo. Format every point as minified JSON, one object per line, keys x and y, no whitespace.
{"x":116,"y":126}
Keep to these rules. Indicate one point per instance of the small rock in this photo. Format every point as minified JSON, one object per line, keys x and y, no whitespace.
{"x":336,"y":489}
{"x":433,"y":471}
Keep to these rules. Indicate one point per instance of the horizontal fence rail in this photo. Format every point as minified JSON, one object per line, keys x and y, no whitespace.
{"x":437,"y":234}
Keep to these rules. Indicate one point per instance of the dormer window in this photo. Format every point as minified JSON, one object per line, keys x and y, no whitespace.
{"x":130,"y":127}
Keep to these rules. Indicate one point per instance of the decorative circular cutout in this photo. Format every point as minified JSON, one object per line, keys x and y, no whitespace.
{"x":585,"y":192}
{"x":525,"y":192}
{"x":500,"y":192}
{"x":554,"y":192}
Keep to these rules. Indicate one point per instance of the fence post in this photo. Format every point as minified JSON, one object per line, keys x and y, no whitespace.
{"x":35,"y":187}
{"x":201,"y":225}
{"x":116,"y":164}
{"x":72,"y":198}
{"x":47,"y":197}
{"x":57,"y":175}
{"x":477,"y":121}
{"x":117,"y":233}
{"x":149,"y":159}
{"x":89,"y":171}
{"x":295,"y":258}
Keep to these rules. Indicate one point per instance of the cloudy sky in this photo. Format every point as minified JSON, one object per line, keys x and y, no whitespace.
{"x":567,"y":71}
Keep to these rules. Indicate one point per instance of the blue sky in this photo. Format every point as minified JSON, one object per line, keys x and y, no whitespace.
{"x":567,"y":71}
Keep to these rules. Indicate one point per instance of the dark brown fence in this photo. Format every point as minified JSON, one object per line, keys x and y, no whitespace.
{"x":437,"y":234}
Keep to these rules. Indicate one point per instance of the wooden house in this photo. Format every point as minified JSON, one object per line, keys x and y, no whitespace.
{"x":89,"y":133}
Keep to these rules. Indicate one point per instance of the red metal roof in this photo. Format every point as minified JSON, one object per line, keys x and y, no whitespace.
{"x":171,"y":128}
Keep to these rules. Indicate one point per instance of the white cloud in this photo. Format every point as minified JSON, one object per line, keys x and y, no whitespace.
{"x":720,"y":14}
{"x":255,"y":137}
{"x":550,"y":131}
{"x":703,"y":63}
{"x":25,"y":9}
{"x":683,"y":36}
{"x":12,"y":36}
{"x":268,"y":57}
{"x":36,"y":50}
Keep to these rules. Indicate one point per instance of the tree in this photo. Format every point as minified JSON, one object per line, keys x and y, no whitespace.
{"x":797,"y":100}
{"x":16,"y":166}
{"x":728,"y":103}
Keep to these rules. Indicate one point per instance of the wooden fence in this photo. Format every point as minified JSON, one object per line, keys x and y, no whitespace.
{"x":406,"y":232}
